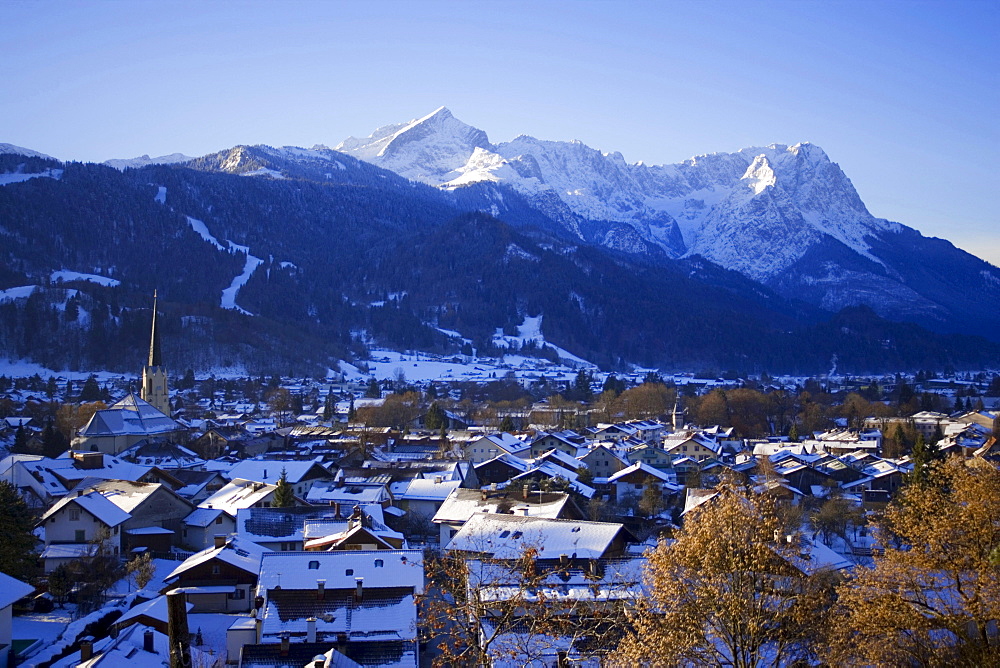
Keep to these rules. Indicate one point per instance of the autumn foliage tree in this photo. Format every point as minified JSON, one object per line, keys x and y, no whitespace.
{"x":726,"y":592}
{"x":933,"y":597}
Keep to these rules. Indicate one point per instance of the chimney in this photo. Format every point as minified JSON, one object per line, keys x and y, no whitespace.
{"x":319,"y":661}
{"x":341,"y":642}
{"x":285,"y":644}
{"x":86,"y":648}
{"x":177,"y":629}
{"x":220,"y":540}
{"x":358,"y":590}
{"x":320,"y":590}
{"x":258,"y":625}
{"x":525,"y":490}
{"x":265,"y":474}
{"x":147,"y":642}
{"x":311,"y":629}
{"x":564,"y":560}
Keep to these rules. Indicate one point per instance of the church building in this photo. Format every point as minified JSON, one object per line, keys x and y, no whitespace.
{"x":133,"y":419}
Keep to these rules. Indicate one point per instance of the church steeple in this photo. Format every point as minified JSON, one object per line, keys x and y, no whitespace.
{"x":155,"y":358}
{"x":154,"y":374}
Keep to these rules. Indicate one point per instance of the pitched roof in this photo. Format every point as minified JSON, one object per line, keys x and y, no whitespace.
{"x":241,"y":553}
{"x":12,"y":590}
{"x":131,"y":416}
{"x":463,"y":503}
{"x":507,"y":536}
{"x":291,"y":571}
{"x":94,"y":503}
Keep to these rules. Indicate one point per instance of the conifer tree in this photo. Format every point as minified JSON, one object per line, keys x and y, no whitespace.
{"x":284,"y":496}
{"x":17,"y":556}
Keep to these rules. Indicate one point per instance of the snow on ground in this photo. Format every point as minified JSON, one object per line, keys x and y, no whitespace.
{"x":65,"y":276}
{"x":419,"y":367}
{"x":264,"y":171}
{"x":202,"y":230}
{"x":21,"y":292}
{"x":162,"y":568}
{"x":531,"y":330}
{"x":229,"y":294}
{"x":18,"y":177}
{"x":161,"y":195}
{"x":213,"y":629}
{"x":42,"y":626}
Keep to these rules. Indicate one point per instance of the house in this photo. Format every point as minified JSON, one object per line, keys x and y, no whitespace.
{"x":604,"y":461}
{"x":352,"y":491}
{"x":12,"y":590}
{"x":592,"y":595}
{"x":163,"y":454}
{"x":636,"y":479}
{"x":422,"y":497}
{"x":567,"y":441}
{"x":76,"y":526}
{"x":360,"y":602}
{"x":360,"y":534}
{"x":137,"y":645}
{"x":203,"y":525}
{"x":128,"y":421}
{"x":488,"y":447}
{"x":494,"y":536}
{"x":696,"y":446}
{"x":287,"y":529}
{"x":196,"y":486}
{"x":221,"y":578}
{"x":462,"y":504}
{"x":240,"y":493}
{"x":300,"y":474}
{"x":650,"y":455}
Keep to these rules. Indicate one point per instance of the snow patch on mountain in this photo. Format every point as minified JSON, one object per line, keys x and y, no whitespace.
{"x":19,"y":176}
{"x":230,"y":293}
{"x":64,"y":276}
{"x":531,"y":330}
{"x":161,"y":195}
{"x":202,"y":230}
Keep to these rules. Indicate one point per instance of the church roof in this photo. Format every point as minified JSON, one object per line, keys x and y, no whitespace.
{"x":131,"y":415}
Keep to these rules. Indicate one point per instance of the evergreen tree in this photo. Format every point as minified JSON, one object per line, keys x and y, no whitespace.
{"x":351,"y":411}
{"x":436,"y":417}
{"x":20,"y":446}
{"x":793,"y":434}
{"x":284,"y":496}
{"x":91,"y":390}
{"x":507,"y":424}
{"x":373,"y":391}
{"x":17,"y":556}
{"x":923,"y":456}
{"x":328,"y":406}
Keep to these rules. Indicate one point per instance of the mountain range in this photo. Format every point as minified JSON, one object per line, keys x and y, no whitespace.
{"x":279,"y":258}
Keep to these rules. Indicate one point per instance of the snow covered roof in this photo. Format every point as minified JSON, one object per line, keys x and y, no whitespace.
{"x":241,"y":553}
{"x":640,"y":468}
{"x":351,"y":493}
{"x":202,"y":517}
{"x":153,"y":609}
{"x":238,"y":494}
{"x":270,"y":471}
{"x":424,"y":489}
{"x":508,"y":536}
{"x":131,"y":416}
{"x":462,"y":504}
{"x":94,"y":503}
{"x":299,"y":571}
{"x":12,"y":590}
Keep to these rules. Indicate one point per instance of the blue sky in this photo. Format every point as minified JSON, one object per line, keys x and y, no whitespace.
{"x":905,"y":96}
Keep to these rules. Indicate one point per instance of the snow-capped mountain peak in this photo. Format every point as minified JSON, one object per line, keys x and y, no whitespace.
{"x":17,"y":150}
{"x":759,"y":175}
{"x":144,"y":160}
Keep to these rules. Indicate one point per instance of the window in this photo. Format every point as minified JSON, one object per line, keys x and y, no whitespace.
{"x":517,"y":534}
{"x":313,"y":565}
{"x":349,"y":571}
{"x":238,"y":595}
{"x":216,"y":569}
{"x":218,"y":520}
{"x":80,"y":536}
{"x":74,"y":514}
{"x":504,"y":534}
{"x":379,"y":563}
